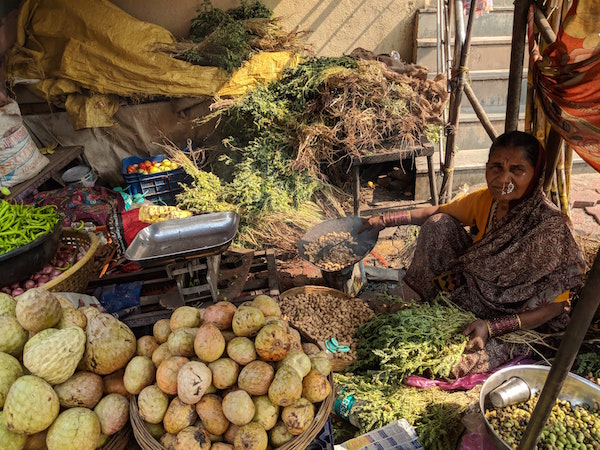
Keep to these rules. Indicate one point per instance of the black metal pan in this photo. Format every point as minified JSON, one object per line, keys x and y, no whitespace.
{"x":364,"y":242}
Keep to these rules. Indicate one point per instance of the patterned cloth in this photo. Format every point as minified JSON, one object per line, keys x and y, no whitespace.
{"x":78,"y":203}
{"x":527,"y":259}
{"x":566,"y":76}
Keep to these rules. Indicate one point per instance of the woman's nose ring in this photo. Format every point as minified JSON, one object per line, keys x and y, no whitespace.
{"x":507,"y":189}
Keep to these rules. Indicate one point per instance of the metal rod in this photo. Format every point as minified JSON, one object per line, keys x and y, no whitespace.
{"x":515,"y":76}
{"x":442,"y":61}
{"x":581,"y":319}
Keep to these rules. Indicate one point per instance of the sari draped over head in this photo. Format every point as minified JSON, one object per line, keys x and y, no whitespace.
{"x":525,"y":260}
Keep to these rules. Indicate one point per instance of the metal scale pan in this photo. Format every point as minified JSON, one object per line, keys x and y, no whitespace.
{"x":184,"y":246}
{"x":191,"y":237}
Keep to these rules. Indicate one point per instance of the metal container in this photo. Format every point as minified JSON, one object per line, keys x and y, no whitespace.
{"x":191,"y":237}
{"x":575,"y":389}
{"x":512,"y":391}
{"x":365,"y":241}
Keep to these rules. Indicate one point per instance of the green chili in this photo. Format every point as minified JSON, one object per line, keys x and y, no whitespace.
{"x":22,"y":224}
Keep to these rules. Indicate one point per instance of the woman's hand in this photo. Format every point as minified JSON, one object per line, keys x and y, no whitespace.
{"x":478,"y":334}
{"x":372,"y":223}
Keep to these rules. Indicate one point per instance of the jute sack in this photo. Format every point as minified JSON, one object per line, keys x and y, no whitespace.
{"x":20,"y":159}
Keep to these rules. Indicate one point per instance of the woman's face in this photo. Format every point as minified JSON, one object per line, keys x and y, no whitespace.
{"x":508,"y":173}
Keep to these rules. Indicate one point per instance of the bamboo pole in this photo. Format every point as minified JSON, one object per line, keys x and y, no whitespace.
{"x":462,"y":45}
{"x":582,"y":316}
{"x":515,"y":77}
{"x":480,"y":113}
{"x":553,"y":153}
{"x":568,"y":170}
{"x":561,"y":182}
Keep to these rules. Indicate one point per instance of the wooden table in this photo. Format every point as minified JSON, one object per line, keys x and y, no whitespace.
{"x":61,"y":157}
{"x":422,"y":148}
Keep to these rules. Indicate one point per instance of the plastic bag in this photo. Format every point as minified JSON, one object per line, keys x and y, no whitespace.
{"x":120,"y":299}
{"x":475,"y":437}
{"x":464,"y":383}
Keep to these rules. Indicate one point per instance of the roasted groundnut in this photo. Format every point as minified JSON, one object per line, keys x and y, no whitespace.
{"x":323,"y":316}
{"x":332,"y":251}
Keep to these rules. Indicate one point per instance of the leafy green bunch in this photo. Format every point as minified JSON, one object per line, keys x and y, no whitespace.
{"x":424,"y":339}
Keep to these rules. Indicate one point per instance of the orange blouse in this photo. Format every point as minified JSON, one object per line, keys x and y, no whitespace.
{"x":472,"y":210}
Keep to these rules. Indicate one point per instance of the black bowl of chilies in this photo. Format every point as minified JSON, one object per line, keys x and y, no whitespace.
{"x":62,"y":257}
{"x":22,"y":262}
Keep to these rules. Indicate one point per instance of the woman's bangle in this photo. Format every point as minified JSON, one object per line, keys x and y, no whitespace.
{"x":489,"y":328}
{"x":383,"y":220}
{"x":396,"y":218}
{"x":503,"y":325}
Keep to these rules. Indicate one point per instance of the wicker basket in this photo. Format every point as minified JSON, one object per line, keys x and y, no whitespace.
{"x":76,"y":278}
{"x":300,"y":442}
{"x":337,"y":364}
{"x":119,"y":440}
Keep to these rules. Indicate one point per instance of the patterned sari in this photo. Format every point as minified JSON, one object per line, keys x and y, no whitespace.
{"x":527,"y":259}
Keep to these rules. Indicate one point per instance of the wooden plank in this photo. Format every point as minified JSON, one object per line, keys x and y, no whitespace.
{"x":274,"y":288}
{"x":61,"y":157}
{"x":146,"y":318}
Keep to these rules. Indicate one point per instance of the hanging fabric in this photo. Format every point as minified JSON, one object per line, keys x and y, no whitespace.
{"x":566,"y":76}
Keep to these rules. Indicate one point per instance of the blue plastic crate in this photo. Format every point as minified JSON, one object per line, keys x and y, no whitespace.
{"x":324,"y":440}
{"x":161,"y":187}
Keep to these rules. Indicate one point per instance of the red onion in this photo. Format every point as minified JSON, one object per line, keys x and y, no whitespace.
{"x":36,"y":276}
{"x":47,"y":269}
{"x":28,"y":284}
{"x":43,"y":280}
{"x":55,"y":273}
{"x":15,"y":285}
{"x":6,"y":289}
{"x":80,"y":256}
{"x":17,"y":291}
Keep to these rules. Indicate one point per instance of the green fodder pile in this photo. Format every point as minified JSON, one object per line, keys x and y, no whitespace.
{"x":434,"y":413}
{"x":227,"y":39}
{"x":288,"y":144}
{"x":421,"y":339}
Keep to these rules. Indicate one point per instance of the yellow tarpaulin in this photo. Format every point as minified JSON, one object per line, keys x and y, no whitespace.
{"x":83,"y":55}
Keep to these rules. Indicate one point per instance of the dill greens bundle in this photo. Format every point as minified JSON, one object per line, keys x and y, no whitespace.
{"x":423,"y":339}
{"x":435,"y":414}
{"x":227,"y":39}
{"x":226,"y":47}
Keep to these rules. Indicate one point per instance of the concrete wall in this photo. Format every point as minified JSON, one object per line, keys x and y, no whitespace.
{"x":336,"y":26}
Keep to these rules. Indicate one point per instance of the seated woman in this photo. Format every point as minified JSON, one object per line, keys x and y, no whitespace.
{"x":518,"y":269}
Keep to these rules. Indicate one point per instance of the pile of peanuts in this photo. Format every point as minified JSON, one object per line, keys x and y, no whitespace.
{"x":322,"y":316}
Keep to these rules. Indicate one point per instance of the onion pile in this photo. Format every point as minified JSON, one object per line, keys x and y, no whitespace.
{"x":65,"y":257}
